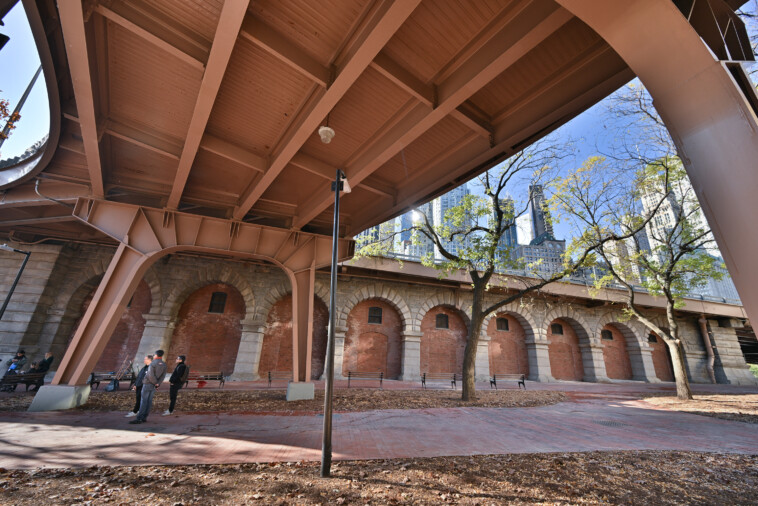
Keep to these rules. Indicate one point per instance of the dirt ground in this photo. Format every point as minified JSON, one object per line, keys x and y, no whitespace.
{"x":274,"y":401}
{"x":649,"y":477}
{"x":740,"y":408}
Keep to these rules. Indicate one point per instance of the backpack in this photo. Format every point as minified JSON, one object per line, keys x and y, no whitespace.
{"x":185,"y":375}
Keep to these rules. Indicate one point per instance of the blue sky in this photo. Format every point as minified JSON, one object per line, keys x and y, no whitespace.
{"x":18,"y":63}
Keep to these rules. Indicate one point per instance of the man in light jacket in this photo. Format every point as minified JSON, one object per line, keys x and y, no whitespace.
{"x":156,"y":371}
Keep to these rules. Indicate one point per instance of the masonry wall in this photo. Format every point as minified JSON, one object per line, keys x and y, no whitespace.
{"x":209,"y":340}
{"x":50,"y":298}
{"x":616,"y":356}
{"x":565,"y":355}
{"x":442,"y":349}
{"x":373,"y":347}
{"x":507,"y":349}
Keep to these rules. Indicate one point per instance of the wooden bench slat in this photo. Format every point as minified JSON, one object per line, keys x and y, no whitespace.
{"x":365,"y":375}
{"x":519,"y":378}
{"x":27,"y":379}
{"x":453,"y":378}
{"x":206,"y":376}
{"x":279,"y":376}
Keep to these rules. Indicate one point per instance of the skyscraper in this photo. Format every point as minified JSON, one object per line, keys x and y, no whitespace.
{"x":541,"y":226}
{"x":440,"y":206}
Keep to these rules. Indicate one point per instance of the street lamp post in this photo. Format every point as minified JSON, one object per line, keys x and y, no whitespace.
{"x":5,"y":247}
{"x":340,"y":184}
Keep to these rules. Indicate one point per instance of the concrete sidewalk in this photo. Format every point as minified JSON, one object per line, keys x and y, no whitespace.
{"x":587,"y":422}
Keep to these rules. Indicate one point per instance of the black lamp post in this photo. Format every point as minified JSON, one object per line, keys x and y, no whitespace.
{"x":5,"y":247}
{"x":340,"y":184}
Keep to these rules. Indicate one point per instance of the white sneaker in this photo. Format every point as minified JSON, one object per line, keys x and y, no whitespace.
{"x":166,"y":413}
{"x":130,"y":414}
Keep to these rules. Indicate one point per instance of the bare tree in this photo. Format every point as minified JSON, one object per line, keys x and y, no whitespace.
{"x":470,"y":238}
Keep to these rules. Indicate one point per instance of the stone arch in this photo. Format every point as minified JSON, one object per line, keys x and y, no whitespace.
{"x":569,"y":359}
{"x":376,"y":291}
{"x":575,"y":319}
{"x":373,"y":346}
{"x":276,"y":351}
{"x":276,"y":293}
{"x":210,"y":340}
{"x":442,"y":349}
{"x":526,"y":320}
{"x":126,"y":335}
{"x":216,"y":273}
{"x":446,"y":298}
{"x":507,"y":351}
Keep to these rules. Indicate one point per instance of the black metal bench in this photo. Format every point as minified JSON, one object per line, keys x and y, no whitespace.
{"x":11,"y":381}
{"x":519,"y":378}
{"x":279,"y":376}
{"x":363,"y":375}
{"x":107,"y":376}
{"x":453,"y":378}
{"x":206,"y":376}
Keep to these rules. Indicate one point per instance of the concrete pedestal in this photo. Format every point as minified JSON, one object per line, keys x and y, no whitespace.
{"x":57,"y":397}
{"x":300,"y":391}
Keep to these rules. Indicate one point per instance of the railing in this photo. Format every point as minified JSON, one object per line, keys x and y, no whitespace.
{"x":576,"y":279}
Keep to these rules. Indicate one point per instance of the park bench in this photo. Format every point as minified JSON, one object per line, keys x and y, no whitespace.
{"x":363,"y":375}
{"x":453,"y":378}
{"x":519,"y":378}
{"x":206,"y":376}
{"x":279,"y":376}
{"x":11,"y":381}
{"x":107,"y":376}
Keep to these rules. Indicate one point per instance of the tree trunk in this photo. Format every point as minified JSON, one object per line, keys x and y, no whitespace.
{"x":472,"y":344}
{"x":683,"y":391}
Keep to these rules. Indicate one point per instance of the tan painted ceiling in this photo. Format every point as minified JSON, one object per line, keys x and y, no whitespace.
{"x":212,"y":107}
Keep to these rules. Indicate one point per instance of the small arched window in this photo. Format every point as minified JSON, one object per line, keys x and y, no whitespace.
{"x":652,"y":338}
{"x":606,"y":335}
{"x":375,"y":315}
{"x":502,"y":324}
{"x":557,"y":329}
{"x":218,"y":302}
{"x":442,"y":321}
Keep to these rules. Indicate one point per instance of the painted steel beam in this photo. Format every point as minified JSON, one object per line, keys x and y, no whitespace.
{"x":385,"y":21}
{"x":529,"y":24}
{"x":227,"y":29}
{"x":165,"y":39}
{"x":78,"y":54}
{"x":710,"y":111}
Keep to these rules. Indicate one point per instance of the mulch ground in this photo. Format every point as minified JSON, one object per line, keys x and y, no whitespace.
{"x":274,"y":401}
{"x":649,"y":477}
{"x":739,"y":408}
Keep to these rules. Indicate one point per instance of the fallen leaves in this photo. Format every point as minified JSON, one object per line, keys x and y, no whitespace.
{"x":739,"y":408}
{"x":649,"y":477}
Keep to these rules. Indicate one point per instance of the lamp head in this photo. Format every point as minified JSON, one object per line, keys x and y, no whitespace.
{"x":326,"y":133}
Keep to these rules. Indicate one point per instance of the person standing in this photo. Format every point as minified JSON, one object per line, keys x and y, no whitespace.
{"x":156,"y":371}
{"x":138,"y":386}
{"x":176,"y":382}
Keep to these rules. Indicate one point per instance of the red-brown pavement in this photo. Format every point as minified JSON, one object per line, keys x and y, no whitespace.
{"x":597,"y":417}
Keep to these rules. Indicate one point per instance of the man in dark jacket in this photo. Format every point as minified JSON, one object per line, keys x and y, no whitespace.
{"x":156,"y":371}
{"x":43,"y":367}
{"x":138,"y":386}
{"x":13,"y":366}
{"x":177,"y":382}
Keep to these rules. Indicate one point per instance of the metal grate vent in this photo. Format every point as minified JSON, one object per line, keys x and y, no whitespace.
{"x":611,"y":423}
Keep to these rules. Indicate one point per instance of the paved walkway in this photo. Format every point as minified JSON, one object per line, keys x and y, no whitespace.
{"x":590,"y":421}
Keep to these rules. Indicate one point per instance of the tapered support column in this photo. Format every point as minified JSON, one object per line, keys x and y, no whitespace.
{"x":124,"y":273}
{"x":706,"y":107}
{"x":249,"y":353}
{"x":339,"y":352}
{"x":641,"y":358}
{"x":593,"y":362}
{"x":483,"y":359}
{"x":302,"y":334}
{"x":539,"y":360}
{"x":411,"y":356}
